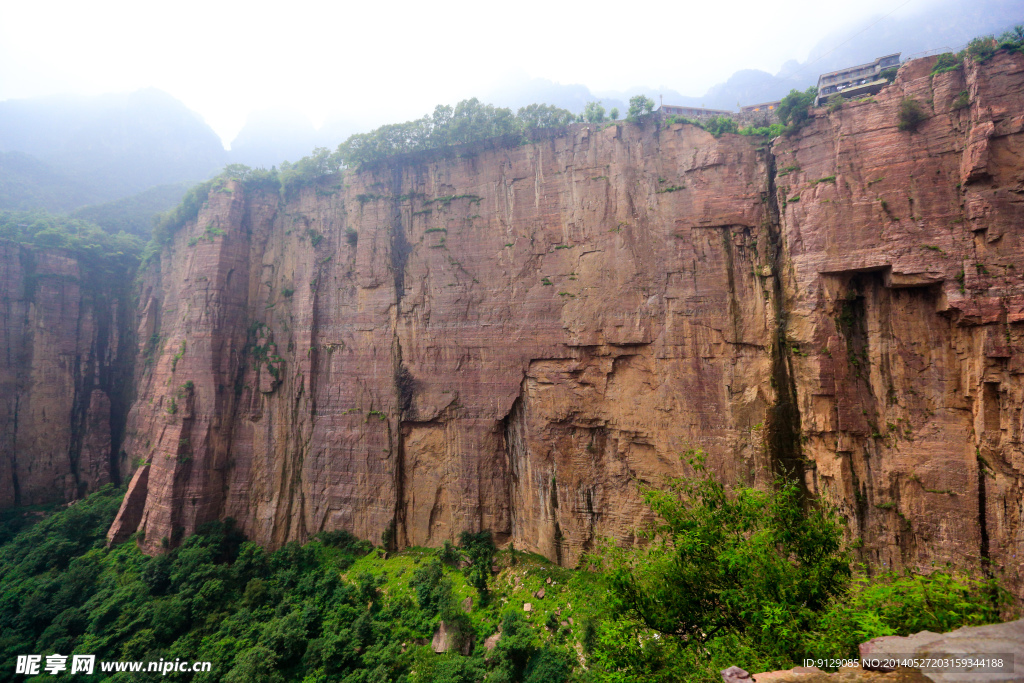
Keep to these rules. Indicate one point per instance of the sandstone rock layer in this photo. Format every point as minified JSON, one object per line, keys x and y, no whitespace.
{"x":514,"y":339}
{"x":65,"y":377}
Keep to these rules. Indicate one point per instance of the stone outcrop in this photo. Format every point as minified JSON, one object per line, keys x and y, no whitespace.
{"x":514,"y":338}
{"x":65,"y":376}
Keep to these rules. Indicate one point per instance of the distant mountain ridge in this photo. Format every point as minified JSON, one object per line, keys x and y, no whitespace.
{"x":111,"y":146}
{"x":62,"y":152}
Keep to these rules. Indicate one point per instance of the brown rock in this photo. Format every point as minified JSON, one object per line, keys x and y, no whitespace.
{"x":522,"y":333}
{"x":995,"y":641}
{"x":448,"y":638}
{"x":64,"y":379}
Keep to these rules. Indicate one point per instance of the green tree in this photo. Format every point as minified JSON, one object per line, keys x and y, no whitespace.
{"x":742,"y":561}
{"x":544,"y":116}
{"x":639,"y":106}
{"x":593,"y":112}
{"x":614,"y":114}
{"x":795,"y":108}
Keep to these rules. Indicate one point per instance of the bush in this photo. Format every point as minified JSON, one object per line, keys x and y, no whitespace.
{"x":911,"y":114}
{"x":947,"y":61}
{"x":772,"y":131}
{"x":741,"y":561}
{"x":1013,"y":39}
{"x":759,"y":580}
{"x":981,"y":49}
{"x":889,"y":73}
{"x":962,"y":101}
{"x":795,"y":108}
{"x":718,"y":125}
{"x":835,"y":102}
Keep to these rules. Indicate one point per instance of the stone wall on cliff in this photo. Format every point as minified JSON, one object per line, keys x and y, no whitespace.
{"x":514,"y":339}
{"x":65,"y":382}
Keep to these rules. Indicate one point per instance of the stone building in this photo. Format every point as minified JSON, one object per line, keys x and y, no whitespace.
{"x":696,"y":113}
{"x":757,"y":115}
{"x":855,"y":81}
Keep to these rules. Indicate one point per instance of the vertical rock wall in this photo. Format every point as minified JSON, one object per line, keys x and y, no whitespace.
{"x":514,"y":338}
{"x":64,"y":382}
{"x":906,"y":299}
{"x":510,"y":341}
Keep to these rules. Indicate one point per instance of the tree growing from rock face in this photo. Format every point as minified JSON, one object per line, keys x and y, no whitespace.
{"x":639,"y":105}
{"x":911,"y":114}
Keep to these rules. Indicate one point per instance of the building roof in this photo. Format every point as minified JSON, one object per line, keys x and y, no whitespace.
{"x":838,"y":72}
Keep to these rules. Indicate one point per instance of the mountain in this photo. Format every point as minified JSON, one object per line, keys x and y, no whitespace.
{"x":27,"y":183}
{"x":134,"y":214}
{"x":109,"y":146}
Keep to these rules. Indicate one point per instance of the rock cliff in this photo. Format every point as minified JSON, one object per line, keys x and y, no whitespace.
{"x":514,"y":338}
{"x":65,"y":376}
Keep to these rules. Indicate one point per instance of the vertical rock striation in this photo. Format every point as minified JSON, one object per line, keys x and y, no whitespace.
{"x":906,"y":300}
{"x":65,"y":383}
{"x":514,"y":338}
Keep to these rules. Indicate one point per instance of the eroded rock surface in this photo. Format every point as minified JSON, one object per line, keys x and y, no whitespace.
{"x":514,"y":338}
{"x":65,"y":376}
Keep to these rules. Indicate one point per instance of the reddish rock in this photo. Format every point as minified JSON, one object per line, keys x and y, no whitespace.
{"x":64,"y":380}
{"x":519,"y":335}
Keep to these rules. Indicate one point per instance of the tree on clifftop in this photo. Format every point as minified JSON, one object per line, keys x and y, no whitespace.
{"x":639,"y":106}
{"x":795,"y":108}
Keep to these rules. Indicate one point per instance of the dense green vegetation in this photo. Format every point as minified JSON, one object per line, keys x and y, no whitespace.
{"x":134,"y":215}
{"x":27,"y":184}
{"x":468,"y":121}
{"x":107,"y":259}
{"x":795,"y":108}
{"x":981,"y":49}
{"x":728,"y":576}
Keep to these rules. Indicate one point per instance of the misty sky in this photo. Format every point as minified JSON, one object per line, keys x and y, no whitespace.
{"x":373,"y":63}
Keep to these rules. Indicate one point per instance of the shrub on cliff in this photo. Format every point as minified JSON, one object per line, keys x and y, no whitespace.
{"x":719,"y":125}
{"x":982,"y":48}
{"x":911,"y":114}
{"x":1013,"y":39}
{"x":795,"y":108}
{"x":947,"y":61}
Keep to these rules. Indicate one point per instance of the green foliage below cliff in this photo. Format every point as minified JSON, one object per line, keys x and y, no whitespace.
{"x":728,"y":577}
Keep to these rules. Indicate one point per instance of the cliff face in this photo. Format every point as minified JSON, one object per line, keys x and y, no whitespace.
{"x":512,"y":339}
{"x":905,"y":299}
{"x":64,"y":381}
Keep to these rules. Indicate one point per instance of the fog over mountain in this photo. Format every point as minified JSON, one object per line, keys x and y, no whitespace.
{"x":63,"y":152}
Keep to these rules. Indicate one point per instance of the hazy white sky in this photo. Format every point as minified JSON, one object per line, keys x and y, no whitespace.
{"x":388,"y":61}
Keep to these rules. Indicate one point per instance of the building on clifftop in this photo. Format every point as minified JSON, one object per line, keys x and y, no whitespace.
{"x":854,"y":81}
